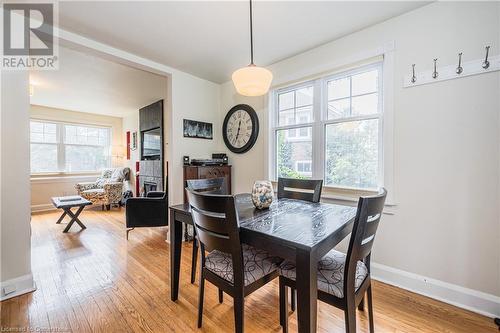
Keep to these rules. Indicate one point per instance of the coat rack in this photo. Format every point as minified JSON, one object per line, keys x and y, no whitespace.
{"x":460,"y":69}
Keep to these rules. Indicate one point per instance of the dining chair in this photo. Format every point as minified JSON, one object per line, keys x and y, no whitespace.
{"x":235,"y":268}
{"x":343,"y":279}
{"x":209,"y":186}
{"x":300,"y":189}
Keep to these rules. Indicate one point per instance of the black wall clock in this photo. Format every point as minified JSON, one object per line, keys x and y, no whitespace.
{"x":240,"y":128}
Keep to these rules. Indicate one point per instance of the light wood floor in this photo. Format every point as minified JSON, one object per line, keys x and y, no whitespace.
{"x":95,"y":280}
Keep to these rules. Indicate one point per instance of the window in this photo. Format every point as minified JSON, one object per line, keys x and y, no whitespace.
{"x":331,"y":129}
{"x":60,"y":147}
{"x":304,"y":168}
{"x":293,"y":136}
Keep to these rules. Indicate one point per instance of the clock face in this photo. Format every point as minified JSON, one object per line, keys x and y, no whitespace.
{"x":241,"y":128}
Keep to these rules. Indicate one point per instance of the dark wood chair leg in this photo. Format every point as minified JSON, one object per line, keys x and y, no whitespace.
{"x":194,"y":259}
{"x":370,"y":308}
{"x":108,"y":207}
{"x":350,"y":319}
{"x":283,"y":306}
{"x":293,"y":300}
{"x":102,"y":207}
{"x":361,"y":306}
{"x":200,"y":299}
{"x":221,"y":296}
{"x":239,"y":314}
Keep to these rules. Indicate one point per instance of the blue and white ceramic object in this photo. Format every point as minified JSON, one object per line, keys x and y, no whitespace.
{"x":262,"y":194}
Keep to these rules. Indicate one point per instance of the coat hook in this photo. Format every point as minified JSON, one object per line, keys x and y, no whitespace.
{"x":413,"y":77}
{"x":435,"y":74}
{"x":459,"y":68}
{"x":486,"y":63}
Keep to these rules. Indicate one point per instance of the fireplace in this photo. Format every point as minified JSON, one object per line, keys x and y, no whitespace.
{"x":148,"y":187}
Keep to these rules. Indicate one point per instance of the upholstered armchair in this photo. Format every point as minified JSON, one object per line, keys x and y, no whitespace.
{"x":151,"y":211}
{"x":107,"y":189}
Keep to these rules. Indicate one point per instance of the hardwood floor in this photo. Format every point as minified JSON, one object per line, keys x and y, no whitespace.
{"x":96,"y":281}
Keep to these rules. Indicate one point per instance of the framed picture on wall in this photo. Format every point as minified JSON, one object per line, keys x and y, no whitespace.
{"x":133,"y":144}
{"x":197,"y":129}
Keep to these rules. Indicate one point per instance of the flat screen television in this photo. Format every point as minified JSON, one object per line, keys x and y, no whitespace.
{"x":151,"y":144}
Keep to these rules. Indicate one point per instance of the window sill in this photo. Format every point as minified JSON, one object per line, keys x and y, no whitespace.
{"x":63,"y":177}
{"x":347,"y":196}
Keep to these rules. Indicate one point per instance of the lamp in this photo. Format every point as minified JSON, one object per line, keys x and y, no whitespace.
{"x":118,"y":151}
{"x":252,"y":80}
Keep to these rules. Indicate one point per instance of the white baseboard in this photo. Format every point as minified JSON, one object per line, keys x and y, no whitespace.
{"x":469,"y":299}
{"x":18,"y":286}
{"x":42,"y":208}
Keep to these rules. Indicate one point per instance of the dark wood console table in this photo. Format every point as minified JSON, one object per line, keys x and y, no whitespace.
{"x":208,"y":171}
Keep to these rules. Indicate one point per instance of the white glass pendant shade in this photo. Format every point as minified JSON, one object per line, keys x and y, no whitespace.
{"x":252,"y":80}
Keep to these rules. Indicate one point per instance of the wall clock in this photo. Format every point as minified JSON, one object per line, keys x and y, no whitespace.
{"x":240,"y":128}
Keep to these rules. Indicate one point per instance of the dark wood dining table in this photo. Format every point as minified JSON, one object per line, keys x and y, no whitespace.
{"x":297,"y":230}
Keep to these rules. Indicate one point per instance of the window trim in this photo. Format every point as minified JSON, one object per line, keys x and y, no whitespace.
{"x":320,"y":122}
{"x":61,"y":161}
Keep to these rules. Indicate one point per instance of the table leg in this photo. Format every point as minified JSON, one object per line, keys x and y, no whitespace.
{"x":74,"y":218}
{"x":307,"y":292}
{"x":175,"y":255}
{"x":61,"y":218}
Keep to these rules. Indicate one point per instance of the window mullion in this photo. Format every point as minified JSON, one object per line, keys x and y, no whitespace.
{"x":61,"y":152}
{"x":317,"y":137}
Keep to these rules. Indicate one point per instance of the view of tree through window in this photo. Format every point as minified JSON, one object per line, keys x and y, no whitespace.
{"x":290,"y":151}
{"x":352,"y":154}
{"x":348,"y":114}
{"x":59,"y":147}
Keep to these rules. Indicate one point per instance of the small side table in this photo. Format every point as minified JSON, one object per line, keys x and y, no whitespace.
{"x":66,"y":205}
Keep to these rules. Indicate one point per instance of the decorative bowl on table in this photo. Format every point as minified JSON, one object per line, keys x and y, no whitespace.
{"x":262,"y":194}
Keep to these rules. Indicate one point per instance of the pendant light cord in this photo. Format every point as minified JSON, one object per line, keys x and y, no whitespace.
{"x":251,"y":35}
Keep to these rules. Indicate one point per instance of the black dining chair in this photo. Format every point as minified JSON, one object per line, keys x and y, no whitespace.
{"x":343,"y":279}
{"x":208,"y":186}
{"x":300,"y":189}
{"x":235,"y":268}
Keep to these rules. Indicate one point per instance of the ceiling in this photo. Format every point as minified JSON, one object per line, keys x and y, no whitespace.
{"x":210,"y":39}
{"x":91,"y":84}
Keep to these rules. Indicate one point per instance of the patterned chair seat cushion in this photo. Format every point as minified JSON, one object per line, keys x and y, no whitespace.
{"x":257,"y":264}
{"x":330,"y":273}
{"x":95,"y":195}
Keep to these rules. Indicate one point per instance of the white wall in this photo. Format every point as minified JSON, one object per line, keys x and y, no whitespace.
{"x":196,"y":99}
{"x":44,"y":187}
{"x":446,"y":143}
{"x":15,"y":187}
{"x":131,"y":123}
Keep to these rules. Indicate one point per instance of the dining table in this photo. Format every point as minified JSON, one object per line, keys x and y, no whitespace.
{"x":296,"y":230}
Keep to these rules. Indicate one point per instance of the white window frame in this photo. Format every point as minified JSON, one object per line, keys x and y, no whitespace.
{"x":61,"y":151}
{"x":320,"y":121}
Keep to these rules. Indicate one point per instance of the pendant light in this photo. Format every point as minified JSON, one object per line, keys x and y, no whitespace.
{"x":252,"y":80}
